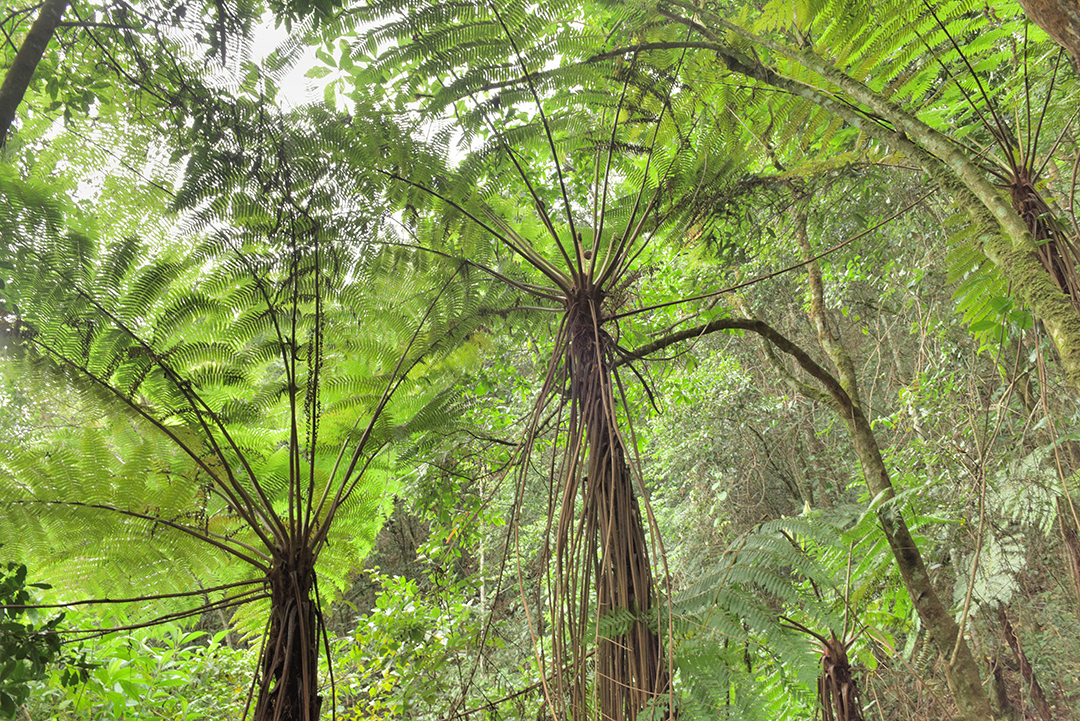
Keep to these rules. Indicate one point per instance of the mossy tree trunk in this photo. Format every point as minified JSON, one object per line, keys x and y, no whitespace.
{"x":1005,"y":237}
{"x":960,"y":667}
{"x":961,"y":671}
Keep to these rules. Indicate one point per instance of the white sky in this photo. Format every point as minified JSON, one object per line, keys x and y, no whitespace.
{"x":295,"y":88}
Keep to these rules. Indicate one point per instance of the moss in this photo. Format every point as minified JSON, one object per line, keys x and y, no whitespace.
{"x":1014,"y":255}
{"x":1033,"y":286}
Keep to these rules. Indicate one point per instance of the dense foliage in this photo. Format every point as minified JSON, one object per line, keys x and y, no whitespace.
{"x":588,"y":359}
{"x":29,"y":644}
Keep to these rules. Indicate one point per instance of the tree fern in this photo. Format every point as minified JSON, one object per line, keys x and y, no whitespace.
{"x":245,"y":389}
{"x":735,"y":653}
{"x":799,"y":63}
{"x":574,"y":174}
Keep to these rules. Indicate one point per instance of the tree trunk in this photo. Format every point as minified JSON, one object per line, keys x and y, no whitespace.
{"x":1061,"y":21}
{"x":960,"y":668}
{"x":1003,"y":234}
{"x":837,"y":690}
{"x":630,"y":670}
{"x":961,"y":671}
{"x":1026,"y":671}
{"x":26,"y":61}
{"x":288,"y":669}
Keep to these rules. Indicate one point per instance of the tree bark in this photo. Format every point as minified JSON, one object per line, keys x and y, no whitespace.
{"x":1004,"y":708}
{"x":21,"y":72}
{"x":961,"y":672}
{"x":1061,"y":21}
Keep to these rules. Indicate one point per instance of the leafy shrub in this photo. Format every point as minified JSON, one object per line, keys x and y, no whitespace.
{"x":26,"y":649}
{"x":182,"y":675}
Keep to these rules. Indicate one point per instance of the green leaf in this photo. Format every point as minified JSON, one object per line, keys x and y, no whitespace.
{"x":982,"y":326}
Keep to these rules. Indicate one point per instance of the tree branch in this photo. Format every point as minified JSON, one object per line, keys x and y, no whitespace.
{"x":808,"y":364}
{"x":26,"y":61}
{"x":88,"y":25}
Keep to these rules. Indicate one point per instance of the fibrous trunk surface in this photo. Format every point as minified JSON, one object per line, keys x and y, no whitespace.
{"x":836,"y":687}
{"x":1056,"y":251}
{"x":630,"y":671}
{"x":288,"y":679}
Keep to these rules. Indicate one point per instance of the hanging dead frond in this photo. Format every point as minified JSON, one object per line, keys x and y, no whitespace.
{"x":837,"y":691}
{"x":1056,"y":248}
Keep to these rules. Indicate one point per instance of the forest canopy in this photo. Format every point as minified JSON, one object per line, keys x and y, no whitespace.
{"x":585,"y":359}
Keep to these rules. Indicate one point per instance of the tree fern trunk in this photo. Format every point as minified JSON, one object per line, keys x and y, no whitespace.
{"x":630,"y":672}
{"x":837,"y":690}
{"x":288,"y":681}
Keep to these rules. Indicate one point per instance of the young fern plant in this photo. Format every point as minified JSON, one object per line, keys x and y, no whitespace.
{"x":253,"y":390}
{"x":740,"y":647}
{"x":773,"y":627}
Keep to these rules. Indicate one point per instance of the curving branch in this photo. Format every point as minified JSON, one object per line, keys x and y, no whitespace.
{"x":960,"y":669}
{"x":763,"y":329}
